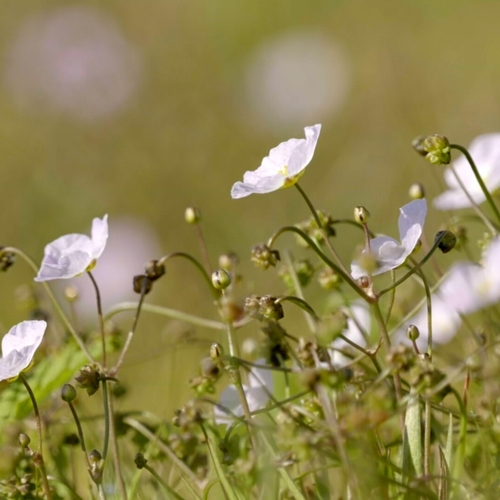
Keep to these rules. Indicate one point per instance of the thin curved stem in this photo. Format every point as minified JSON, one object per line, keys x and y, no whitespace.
{"x":80,"y":433}
{"x":479,"y":179}
{"x":43,"y":472}
{"x":320,"y":226}
{"x":345,"y":276}
{"x":194,"y":261}
{"x":100,"y":316}
{"x":299,"y":302}
{"x":56,"y":305}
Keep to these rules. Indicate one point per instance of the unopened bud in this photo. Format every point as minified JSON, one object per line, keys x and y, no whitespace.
{"x":216,"y":351}
{"x":209,"y":369}
{"x":412,"y":333}
{"x":24,"y":440}
{"x":140,"y":461}
{"x":142,"y":284}
{"x":71,"y":294}
{"x":438,"y":149}
{"x":363,"y":282}
{"x":7,"y":259}
{"x":448,"y":241}
{"x":228,"y":261}
{"x":221,"y":279}
{"x":154,"y":270}
{"x":418,"y":145}
{"x":329,"y":279}
{"x":37,"y":459}
{"x":68,"y":393}
{"x":89,"y":379}
{"x":416,"y":191}
{"x":95,"y":457}
{"x":192,"y":215}
{"x":361,"y":215}
{"x":270,"y":309}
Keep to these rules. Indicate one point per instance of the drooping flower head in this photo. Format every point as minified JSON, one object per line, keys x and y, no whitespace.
{"x":72,"y":254}
{"x":470,"y":287}
{"x":485,"y":151}
{"x":282,"y":168}
{"x":19,"y":346}
{"x":390,"y":253}
{"x":260,"y":383}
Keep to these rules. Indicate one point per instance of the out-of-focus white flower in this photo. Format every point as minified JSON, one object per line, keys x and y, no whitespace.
{"x":358,"y":321}
{"x":485,"y":151}
{"x":470,"y":287}
{"x":282,"y":168}
{"x":257,"y":395}
{"x":72,"y":254}
{"x":388,"y":252}
{"x":19,"y":346}
{"x":445,"y":323}
{"x":73,"y":60}
{"x":130,"y":245}
{"x":294,"y":78}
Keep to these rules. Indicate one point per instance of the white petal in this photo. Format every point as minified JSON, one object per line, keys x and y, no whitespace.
{"x":456,"y":199}
{"x":19,"y":346}
{"x":304,"y":151}
{"x":261,"y":186}
{"x":228,"y":399}
{"x":459,"y":290}
{"x":99,"y":236}
{"x":411,"y":223}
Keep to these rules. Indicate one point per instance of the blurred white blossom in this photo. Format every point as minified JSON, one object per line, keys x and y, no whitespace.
{"x":485,"y":151}
{"x":282,"y":168}
{"x":73,"y":60}
{"x":294,"y":78}
{"x":260,"y":384}
{"x":19,"y":346}
{"x":470,"y":287}
{"x":73,"y":254}
{"x":358,"y":324}
{"x":388,"y":252}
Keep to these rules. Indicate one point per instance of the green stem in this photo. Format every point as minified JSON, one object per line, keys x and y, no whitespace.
{"x":321,"y":226}
{"x":56,"y":305}
{"x":200,"y":268}
{"x":299,"y":302}
{"x":107,"y":417}
{"x":478,"y":178}
{"x":100,"y":316}
{"x":345,"y":276}
{"x":168,"y":489}
{"x":391,"y":298}
{"x":43,"y":472}
{"x":132,"y":330}
{"x":80,"y":433}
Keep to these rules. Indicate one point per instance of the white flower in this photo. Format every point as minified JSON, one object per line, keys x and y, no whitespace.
{"x":388,"y":252}
{"x":19,"y":346}
{"x":72,"y":254}
{"x":445,"y":323}
{"x":485,"y":151}
{"x":282,"y":168}
{"x":470,"y":287}
{"x":257,"y":395}
{"x":359,"y":321}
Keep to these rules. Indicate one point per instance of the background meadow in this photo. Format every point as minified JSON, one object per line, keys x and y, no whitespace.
{"x":140,"y":109}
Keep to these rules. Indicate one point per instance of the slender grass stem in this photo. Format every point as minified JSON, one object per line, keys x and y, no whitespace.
{"x":100,"y":316}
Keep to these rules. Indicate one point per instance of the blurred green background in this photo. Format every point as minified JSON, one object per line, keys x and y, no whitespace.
{"x":140,"y":109}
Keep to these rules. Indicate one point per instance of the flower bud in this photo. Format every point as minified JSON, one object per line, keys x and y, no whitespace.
{"x":154,"y":270}
{"x":71,"y":294}
{"x":263,"y":256}
{"x":252,"y":307}
{"x":448,"y":241}
{"x":89,"y":379}
{"x":413,"y":333}
{"x":361,"y":215}
{"x":363,"y":282}
{"x":192,"y":215}
{"x":95,"y":457}
{"x":24,"y":440}
{"x":416,"y":191}
{"x":221,"y":279}
{"x":37,"y":459}
{"x":269,"y":309}
{"x":228,"y":261}
{"x":329,"y":279}
{"x":142,"y":284}
{"x":7,"y":259}
{"x":68,"y":393}
{"x":140,"y":461}
{"x":216,"y":351}
{"x":71,"y":439}
{"x":438,"y":149}
{"x":209,"y":369}
{"x":418,"y":145}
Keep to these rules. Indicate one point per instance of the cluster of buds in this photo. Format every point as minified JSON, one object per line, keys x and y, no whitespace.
{"x":310,"y":227}
{"x":329,"y":279}
{"x":143,"y":283}
{"x":304,"y":271}
{"x":435,"y":148}
{"x":309,"y":353}
{"x":264,"y":257}
{"x":89,"y":379}
{"x":263,"y":308}
{"x":187,"y":418}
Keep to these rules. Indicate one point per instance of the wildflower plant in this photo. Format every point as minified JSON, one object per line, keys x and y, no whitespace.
{"x":381,"y":382}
